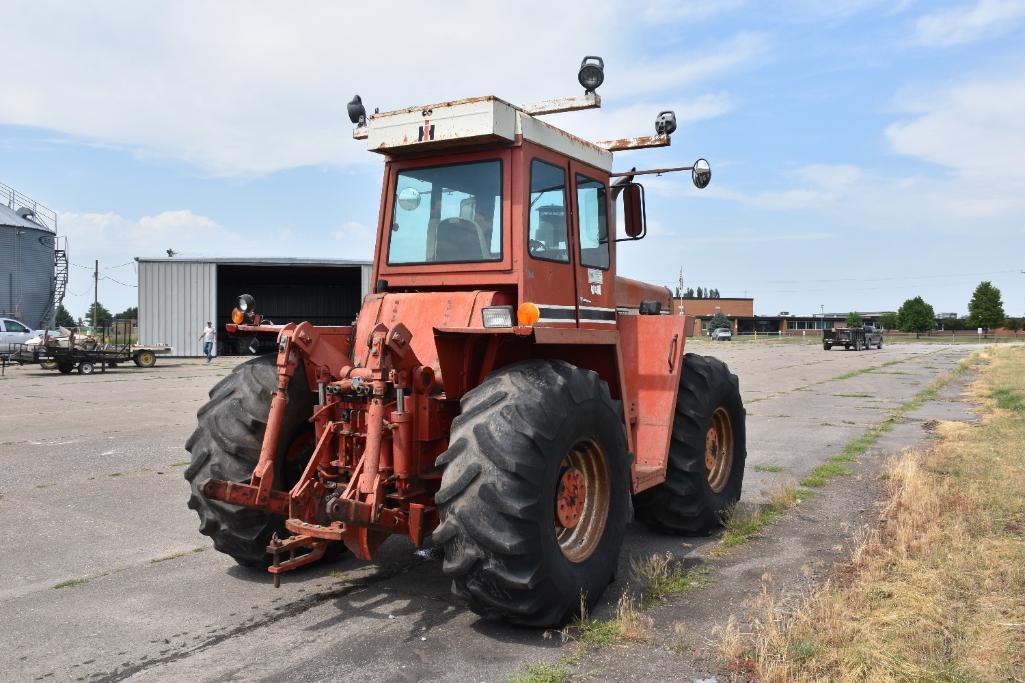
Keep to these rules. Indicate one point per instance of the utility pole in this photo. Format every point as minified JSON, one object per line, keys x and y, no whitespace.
{"x":96,"y":291}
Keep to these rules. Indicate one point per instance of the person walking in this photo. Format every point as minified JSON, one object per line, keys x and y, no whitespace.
{"x":208,"y":341}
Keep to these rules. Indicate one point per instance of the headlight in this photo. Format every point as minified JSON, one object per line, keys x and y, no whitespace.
{"x":498,"y":316}
{"x":591,"y":73}
{"x":246,"y":303}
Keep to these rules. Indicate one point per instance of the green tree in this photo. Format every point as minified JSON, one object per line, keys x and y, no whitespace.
{"x":689,"y":294}
{"x":102,"y":315}
{"x":854,"y":320}
{"x":1014,"y":324}
{"x":986,"y":310}
{"x":888,"y":321}
{"x":713,"y":294}
{"x":130,"y":313}
{"x":62,"y":318}
{"x":719,"y":320}
{"x":698,"y":294}
{"x":916,"y":316}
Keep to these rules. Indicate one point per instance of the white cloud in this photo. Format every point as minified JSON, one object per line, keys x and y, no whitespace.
{"x":756,"y":237}
{"x":969,"y":23}
{"x":661,"y":11}
{"x":254,"y":88}
{"x":976,"y":128}
{"x":357,"y":240}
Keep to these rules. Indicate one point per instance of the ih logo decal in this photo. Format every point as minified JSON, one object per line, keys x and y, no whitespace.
{"x":426,"y":131}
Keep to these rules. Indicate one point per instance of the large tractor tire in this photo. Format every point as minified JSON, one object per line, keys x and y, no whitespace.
{"x":535,"y":495}
{"x":226,"y":445}
{"x":706,"y":453}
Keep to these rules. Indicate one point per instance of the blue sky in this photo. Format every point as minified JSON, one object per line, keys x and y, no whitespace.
{"x":862,"y":152}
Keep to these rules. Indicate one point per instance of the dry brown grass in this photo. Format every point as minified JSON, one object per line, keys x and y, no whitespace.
{"x":937,"y":591}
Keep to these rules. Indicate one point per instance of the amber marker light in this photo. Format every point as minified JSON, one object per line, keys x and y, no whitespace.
{"x":527,"y":314}
{"x":237,"y":316}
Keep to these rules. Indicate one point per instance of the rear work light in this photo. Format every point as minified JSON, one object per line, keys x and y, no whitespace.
{"x":498,"y":316}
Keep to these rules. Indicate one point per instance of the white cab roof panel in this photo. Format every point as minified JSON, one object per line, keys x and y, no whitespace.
{"x":475,"y":121}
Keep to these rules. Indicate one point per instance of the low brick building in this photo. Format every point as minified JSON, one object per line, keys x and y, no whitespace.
{"x":701,"y":311}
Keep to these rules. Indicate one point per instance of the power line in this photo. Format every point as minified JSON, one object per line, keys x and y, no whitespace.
{"x":125,"y":284}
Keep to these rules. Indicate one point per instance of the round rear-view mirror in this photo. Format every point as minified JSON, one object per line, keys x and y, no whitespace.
{"x":409,"y":199}
{"x":701,"y":174}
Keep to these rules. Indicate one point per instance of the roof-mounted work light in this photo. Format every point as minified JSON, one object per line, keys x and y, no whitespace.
{"x":246,"y":303}
{"x":665,"y":123}
{"x":591,"y":74}
{"x":357,"y":112}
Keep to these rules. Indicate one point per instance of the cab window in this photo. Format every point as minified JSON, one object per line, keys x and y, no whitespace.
{"x":592,"y":207}
{"x":548,"y":235}
{"x":13,"y":326}
{"x":447,"y":214}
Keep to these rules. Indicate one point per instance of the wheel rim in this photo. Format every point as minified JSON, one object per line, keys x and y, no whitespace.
{"x":581,"y":501}
{"x":719,"y":449}
{"x":146,"y":357}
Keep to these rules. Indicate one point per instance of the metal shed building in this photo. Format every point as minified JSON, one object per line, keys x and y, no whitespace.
{"x":178,"y":295}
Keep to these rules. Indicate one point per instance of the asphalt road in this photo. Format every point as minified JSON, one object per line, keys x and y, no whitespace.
{"x":92,"y":496}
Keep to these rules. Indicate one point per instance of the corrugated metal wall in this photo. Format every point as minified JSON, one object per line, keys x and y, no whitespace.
{"x":175,"y":301}
{"x":26,"y":274}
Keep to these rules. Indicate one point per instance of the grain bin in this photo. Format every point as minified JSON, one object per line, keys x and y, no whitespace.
{"x":27,"y":243}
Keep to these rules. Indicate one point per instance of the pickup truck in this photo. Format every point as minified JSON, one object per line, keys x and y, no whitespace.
{"x":857,"y":338}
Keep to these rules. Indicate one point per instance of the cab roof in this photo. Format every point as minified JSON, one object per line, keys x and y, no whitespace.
{"x":445,"y":126}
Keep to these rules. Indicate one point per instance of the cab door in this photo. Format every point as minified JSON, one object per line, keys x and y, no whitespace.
{"x":549,"y":272}
{"x":595,"y":248}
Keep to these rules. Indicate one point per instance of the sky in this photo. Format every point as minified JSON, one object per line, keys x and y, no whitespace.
{"x":862,"y":152}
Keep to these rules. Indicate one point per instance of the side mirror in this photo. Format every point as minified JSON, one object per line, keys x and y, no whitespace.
{"x":701,"y":174}
{"x":634,"y":219}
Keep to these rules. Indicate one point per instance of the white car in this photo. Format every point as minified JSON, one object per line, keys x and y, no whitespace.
{"x":722,"y":334}
{"x":13,"y":333}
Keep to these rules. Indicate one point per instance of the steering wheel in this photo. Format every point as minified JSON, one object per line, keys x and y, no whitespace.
{"x":536,"y":246}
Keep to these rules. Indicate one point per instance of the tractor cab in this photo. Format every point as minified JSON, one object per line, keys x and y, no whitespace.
{"x":485,"y":192}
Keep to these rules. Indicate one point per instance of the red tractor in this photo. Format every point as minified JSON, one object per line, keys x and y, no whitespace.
{"x":503,"y":394}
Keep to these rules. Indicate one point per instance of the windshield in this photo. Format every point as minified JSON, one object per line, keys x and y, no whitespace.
{"x":447,"y":214}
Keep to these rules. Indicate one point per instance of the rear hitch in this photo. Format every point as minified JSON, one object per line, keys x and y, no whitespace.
{"x":290,"y":545}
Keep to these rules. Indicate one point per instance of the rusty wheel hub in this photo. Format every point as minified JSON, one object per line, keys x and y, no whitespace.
{"x":719,"y":449}
{"x":581,"y":501}
{"x":569,"y":501}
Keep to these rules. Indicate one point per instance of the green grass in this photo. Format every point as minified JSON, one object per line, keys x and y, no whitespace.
{"x":768,"y":468}
{"x":661,"y":576}
{"x":591,"y":632}
{"x":744,"y":521}
{"x":1008,"y":399}
{"x":172,"y":556}
{"x":180,"y":463}
{"x":116,"y":474}
{"x":71,"y":583}
{"x":821,"y":475}
{"x":541,"y":672}
{"x":863,"y":371}
{"x":175,"y":556}
{"x":859,"y":394}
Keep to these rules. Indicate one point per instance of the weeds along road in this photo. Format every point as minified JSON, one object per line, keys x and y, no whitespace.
{"x":92,"y":500}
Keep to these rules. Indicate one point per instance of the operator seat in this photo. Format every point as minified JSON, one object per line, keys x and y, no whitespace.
{"x":460,"y":239}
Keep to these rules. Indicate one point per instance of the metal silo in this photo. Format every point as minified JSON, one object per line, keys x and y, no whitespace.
{"x":28,"y":235}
